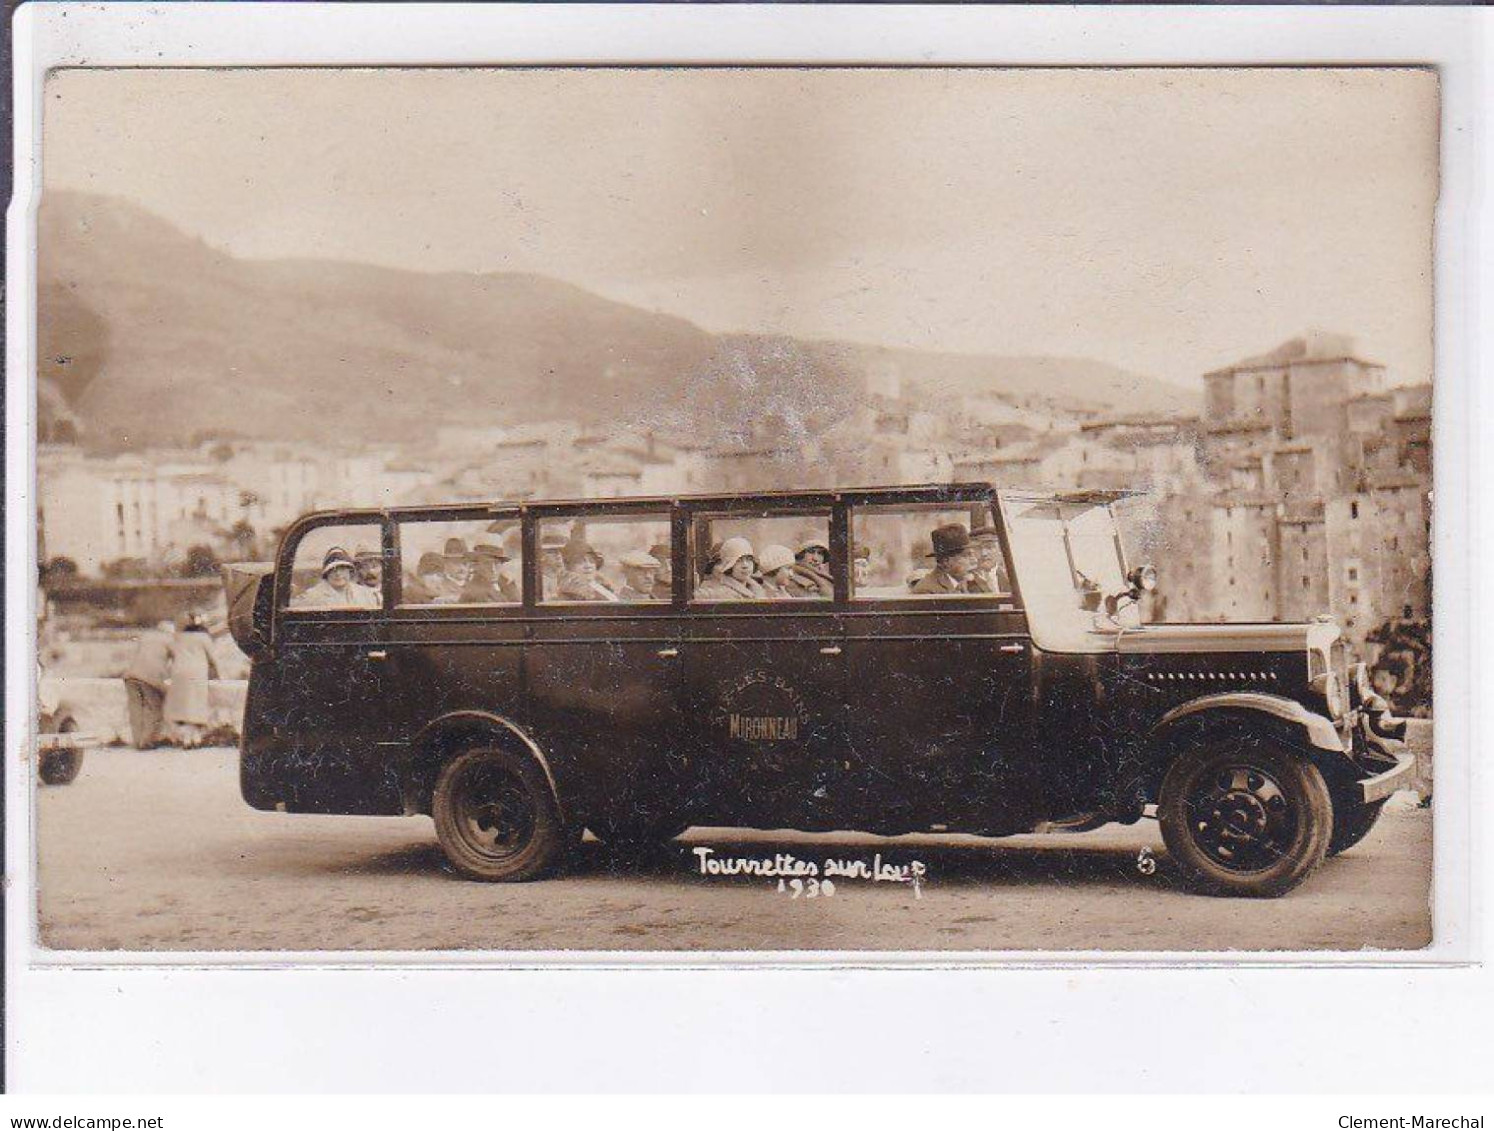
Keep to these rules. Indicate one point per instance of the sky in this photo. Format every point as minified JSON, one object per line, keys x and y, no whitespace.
{"x":1168,"y":221}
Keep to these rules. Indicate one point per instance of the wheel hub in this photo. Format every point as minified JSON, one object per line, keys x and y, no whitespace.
{"x":1241,"y":818}
{"x":496,"y":815}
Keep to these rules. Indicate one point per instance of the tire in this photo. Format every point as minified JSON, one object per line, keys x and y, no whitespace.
{"x":61,"y":767}
{"x":1352,"y":822}
{"x":496,"y":817}
{"x":1243,"y":816}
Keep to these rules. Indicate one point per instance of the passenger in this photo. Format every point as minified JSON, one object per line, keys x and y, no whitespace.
{"x":424,"y":588}
{"x":664,"y":575}
{"x":485,"y":586}
{"x":510,"y":572}
{"x":581,"y":580}
{"x":456,"y":570}
{"x":640,"y":573}
{"x":777,"y":571}
{"x":989,"y":574}
{"x":730,"y":577}
{"x":370,"y":565}
{"x":552,"y":561}
{"x":860,"y":567}
{"x":337,"y":589}
{"x":812,"y":570}
{"x":954,"y":559}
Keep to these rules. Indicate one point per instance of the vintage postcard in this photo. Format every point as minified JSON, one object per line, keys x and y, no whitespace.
{"x":735,"y":510}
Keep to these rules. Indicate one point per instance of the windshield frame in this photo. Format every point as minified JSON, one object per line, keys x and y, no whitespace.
{"x":1060,"y":623}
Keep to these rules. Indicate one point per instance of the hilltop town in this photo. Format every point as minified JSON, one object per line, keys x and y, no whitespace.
{"x":1302,"y":488}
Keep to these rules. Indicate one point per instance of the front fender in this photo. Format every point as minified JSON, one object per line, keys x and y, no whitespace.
{"x":1317,"y":729}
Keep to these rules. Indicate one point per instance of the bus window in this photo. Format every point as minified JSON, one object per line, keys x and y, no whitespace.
{"x":469,"y":561}
{"x":607,"y":559}
{"x":338,"y":567}
{"x":762,"y":557}
{"x":893,"y":552}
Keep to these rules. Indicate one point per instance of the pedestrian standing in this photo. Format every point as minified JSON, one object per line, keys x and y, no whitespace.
{"x":145,"y":685}
{"x":187,"y":710}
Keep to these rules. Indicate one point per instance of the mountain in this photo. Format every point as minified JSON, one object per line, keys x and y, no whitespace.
{"x":149,"y":335}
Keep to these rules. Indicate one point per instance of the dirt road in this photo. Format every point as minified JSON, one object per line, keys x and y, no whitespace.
{"x":156,"y":851}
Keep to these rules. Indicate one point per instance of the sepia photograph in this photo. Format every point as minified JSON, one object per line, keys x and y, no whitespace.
{"x":692,"y":510}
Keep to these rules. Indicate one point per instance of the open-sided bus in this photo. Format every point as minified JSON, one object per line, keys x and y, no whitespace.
{"x":523,"y":672}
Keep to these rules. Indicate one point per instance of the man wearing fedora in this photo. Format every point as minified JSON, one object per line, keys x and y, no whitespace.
{"x":954,"y":562}
{"x":456,"y":571}
{"x":487,"y":586}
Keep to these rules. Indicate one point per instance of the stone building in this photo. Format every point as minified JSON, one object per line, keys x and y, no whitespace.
{"x":1315,"y":495}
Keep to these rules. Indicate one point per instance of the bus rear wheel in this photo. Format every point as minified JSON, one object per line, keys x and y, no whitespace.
{"x":496,"y":816}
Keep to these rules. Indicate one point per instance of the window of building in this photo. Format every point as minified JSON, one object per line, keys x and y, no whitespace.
{"x":1304,"y":553}
{"x":326,"y":574}
{"x":1306,"y":584}
{"x":759,"y":557}
{"x":1353,"y":573}
{"x":893,"y":553}
{"x":1354,"y":509}
{"x":463,"y":561}
{"x":605,"y":560}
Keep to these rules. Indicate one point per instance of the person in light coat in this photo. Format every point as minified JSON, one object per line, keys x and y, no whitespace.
{"x":187,"y":710}
{"x":731,"y":575}
{"x":145,"y":681}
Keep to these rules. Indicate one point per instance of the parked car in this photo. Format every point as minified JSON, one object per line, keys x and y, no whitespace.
{"x":60,"y":742}
{"x":886,"y":695}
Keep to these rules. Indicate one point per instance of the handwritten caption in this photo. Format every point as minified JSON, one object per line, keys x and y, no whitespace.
{"x":810,"y":879}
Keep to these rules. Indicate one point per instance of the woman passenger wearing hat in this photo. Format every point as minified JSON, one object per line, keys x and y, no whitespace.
{"x":731,"y":574}
{"x":777,"y":567}
{"x":811,"y":575}
{"x":338,"y":588}
{"x":581,"y":580}
{"x":954,"y":561}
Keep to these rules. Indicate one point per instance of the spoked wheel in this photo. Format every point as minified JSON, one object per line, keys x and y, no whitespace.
{"x":1245,"y":817}
{"x":496,"y":817}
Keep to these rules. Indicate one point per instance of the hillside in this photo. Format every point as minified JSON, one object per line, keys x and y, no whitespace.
{"x":149,"y":335}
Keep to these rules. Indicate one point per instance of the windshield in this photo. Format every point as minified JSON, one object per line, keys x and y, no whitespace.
{"x":1069,"y":559}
